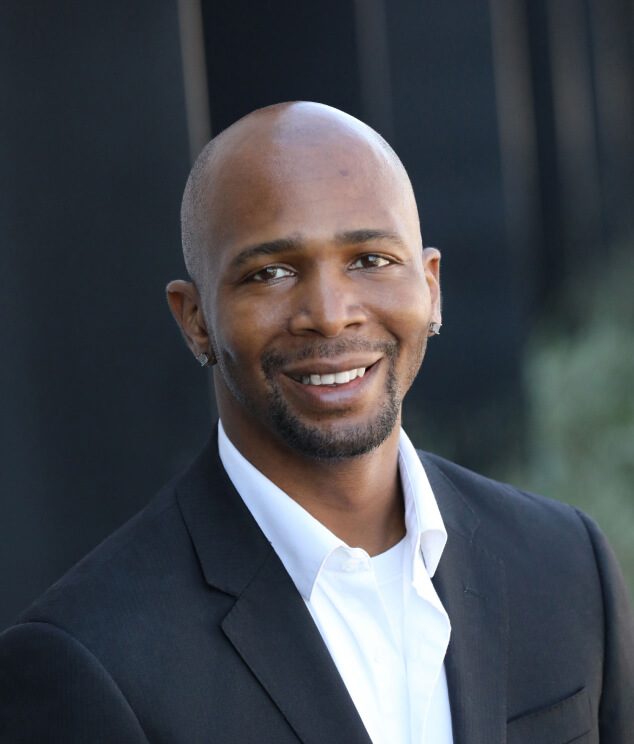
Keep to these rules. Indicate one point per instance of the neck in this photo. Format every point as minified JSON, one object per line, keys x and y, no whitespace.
{"x":359,"y":499}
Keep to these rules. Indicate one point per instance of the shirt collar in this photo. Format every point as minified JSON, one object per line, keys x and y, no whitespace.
{"x":425,"y":528}
{"x":303,"y":544}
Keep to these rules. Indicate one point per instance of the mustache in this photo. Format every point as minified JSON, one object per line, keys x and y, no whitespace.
{"x":272,"y":361}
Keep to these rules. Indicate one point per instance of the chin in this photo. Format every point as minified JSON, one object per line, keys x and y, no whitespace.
{"x":338,"y":442}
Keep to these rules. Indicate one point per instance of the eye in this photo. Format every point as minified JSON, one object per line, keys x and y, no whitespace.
{"x":270,"y":274}
{"x":370,"y":261}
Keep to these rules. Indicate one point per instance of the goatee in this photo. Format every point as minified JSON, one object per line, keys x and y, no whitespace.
{"x":346,"y":441}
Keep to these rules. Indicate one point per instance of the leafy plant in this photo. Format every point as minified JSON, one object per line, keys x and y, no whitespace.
{"x":580,"y":393}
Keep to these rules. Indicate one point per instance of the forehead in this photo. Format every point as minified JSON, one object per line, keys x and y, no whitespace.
{"x":263,"y":188}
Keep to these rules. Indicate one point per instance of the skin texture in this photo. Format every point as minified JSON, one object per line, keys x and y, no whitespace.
{"x":302,"y":237}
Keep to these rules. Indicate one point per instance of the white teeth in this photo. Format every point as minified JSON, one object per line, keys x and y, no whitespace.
{"x":338,"y":378}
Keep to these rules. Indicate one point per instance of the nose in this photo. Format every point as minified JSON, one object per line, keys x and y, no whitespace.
{"x":327,"y":303}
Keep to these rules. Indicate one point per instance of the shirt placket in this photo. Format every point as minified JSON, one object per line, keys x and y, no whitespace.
{"x":427,"y":631}
{"x":382,"y":707}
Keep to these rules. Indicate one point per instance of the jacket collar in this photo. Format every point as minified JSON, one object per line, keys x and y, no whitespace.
{"x":472,"y":587}
{"x":269,"y":624}
{"x":271,"y":628}
{"x":304,"y":544}
{"x":228,"y":542}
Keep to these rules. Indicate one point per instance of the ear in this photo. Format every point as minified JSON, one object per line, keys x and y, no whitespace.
{"x":184,"y":302}
{"x":431,"y":263}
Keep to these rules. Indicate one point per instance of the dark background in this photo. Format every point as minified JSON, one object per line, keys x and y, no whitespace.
{"x":514,"y":119}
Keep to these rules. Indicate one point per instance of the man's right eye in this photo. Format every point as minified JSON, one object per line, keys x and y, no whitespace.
{"x":270,"y":273}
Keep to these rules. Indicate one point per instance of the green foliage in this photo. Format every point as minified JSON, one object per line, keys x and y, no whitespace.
{"x":579,"y":387}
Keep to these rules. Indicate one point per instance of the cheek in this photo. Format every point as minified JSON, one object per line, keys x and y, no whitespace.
{"x":243,"y":329}
{"x":412,"y":335}
{"x":410,"y":315}
{"x":409,"y":311}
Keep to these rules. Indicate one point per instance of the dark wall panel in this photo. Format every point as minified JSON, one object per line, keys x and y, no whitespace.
{"x":263,"y":53}
{"x":100,"y":401}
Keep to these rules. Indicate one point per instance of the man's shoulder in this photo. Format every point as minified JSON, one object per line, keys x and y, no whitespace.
{"x":499,"y":508}
{"x":111,"y":572}
{"x":142,"y":556}
{"x":146,"y":568}
{"x":129,"y":618}
{"x":483,"y":488}
{"x":544,"y":547}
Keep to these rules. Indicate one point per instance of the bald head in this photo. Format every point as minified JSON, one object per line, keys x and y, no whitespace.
{"x":276,"y":144}
{"x":301,"y":234}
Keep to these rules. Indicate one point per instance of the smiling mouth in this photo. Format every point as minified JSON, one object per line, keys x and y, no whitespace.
{"x":331,"y":379}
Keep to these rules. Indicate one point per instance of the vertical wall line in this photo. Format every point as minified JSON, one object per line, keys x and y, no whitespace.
{"x":517,"y":129}
{"x":575,"y":126}
{"x":374,"y":65}
{"x":192,"y":43}
{"x":612,"y":57}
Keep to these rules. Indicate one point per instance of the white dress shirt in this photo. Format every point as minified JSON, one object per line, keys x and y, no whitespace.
{"x":380,"y":617}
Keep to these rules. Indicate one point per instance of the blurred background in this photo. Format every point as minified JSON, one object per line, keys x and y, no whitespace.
{"x":515,"y":120}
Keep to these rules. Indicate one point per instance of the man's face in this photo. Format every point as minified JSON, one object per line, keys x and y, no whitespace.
{"x":318,"y":298}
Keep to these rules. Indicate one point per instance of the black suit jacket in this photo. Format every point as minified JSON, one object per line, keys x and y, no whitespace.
{"x":183,"y":627}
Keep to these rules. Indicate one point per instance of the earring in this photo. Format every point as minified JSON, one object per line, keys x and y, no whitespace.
{"x":434,"y":328}
{"x":203,"y":359}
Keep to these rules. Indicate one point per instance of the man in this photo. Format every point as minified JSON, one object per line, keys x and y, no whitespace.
{"x":310,"y":578}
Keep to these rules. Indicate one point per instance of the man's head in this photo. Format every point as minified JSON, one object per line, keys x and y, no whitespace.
{"x":301,"y":236}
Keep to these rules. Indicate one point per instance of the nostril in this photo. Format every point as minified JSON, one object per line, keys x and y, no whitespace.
{"x":326,"y":320}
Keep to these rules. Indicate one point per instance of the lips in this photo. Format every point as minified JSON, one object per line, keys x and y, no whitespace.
{"x":313,"y":386}
{"x":331,"y":378}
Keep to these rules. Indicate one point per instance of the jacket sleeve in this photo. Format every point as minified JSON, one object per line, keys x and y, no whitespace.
{"x":54,"y":691}
{"x":616,"y":713}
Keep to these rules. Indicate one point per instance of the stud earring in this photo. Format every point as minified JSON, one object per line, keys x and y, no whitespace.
{"x":434,"y":328}
{"x":203,"y":359}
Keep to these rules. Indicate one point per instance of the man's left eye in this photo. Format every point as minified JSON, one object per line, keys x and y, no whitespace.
{"x":370,"y":261}
{"x":270,"y":273}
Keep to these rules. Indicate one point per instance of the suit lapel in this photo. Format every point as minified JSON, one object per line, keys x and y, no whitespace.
{"x":269,"y":624}
{"x":471,"y":585}
{"x":272,"y":630}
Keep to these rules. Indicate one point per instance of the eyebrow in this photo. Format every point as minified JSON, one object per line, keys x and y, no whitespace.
{"x":295,"y":243}
{"x":367,"y":236}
